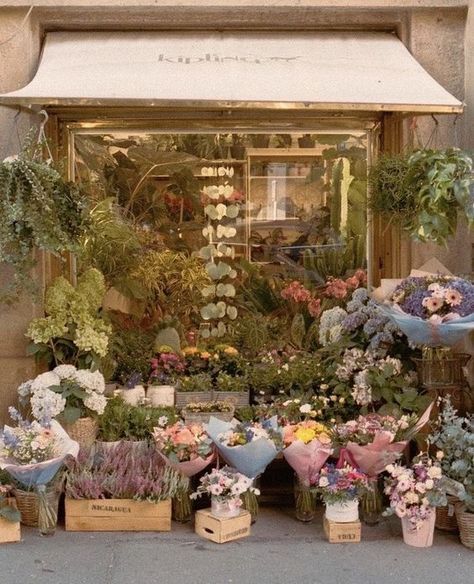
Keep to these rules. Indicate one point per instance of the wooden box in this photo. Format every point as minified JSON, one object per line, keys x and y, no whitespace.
{"x":342,"y":532}
{"x":9,"y":530}
{"x":222,"y":530}
{"x":117,"y":515}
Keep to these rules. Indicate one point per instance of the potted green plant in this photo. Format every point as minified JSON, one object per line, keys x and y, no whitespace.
{"x":133,"y":392}
{"x":423,"y":192}
{"x":237,"y":149}
{"x":74,"y":330}
{"x":38,"y":210}
{"x":193,"y":388}
{"x":233,"y":388}
{"x":113,"y":424}
{"x":453,"y":437}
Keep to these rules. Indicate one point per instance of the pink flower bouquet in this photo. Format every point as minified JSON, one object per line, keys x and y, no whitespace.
{"x":307,"y":447}
{"x":186,"y":447}
{"x":374,"y":441}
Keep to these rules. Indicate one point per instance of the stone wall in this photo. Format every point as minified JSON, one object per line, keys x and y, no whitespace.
{"x":433,"y":30}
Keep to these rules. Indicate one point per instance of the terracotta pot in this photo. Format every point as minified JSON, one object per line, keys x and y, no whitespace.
{"x":422,"y":537}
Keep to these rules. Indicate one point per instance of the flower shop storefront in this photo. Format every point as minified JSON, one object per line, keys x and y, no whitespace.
{"x":217,"y":248}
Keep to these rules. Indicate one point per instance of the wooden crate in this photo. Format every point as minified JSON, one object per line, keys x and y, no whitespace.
{"x":9,"y":530}
{"x":117,"y":515}
{"x":342,"y":532}
{"x":221,"y":530}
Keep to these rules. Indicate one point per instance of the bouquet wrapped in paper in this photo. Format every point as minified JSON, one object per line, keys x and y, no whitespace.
{"x":186,"y":447}
{"x":374,"y":441}
{"x":248,"y":447}
{"x":432,"y":310}
{"x":32,"y":454}
{"x":307,"y":447}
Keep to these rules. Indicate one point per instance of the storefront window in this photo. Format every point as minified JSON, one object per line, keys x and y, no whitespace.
{"x":299,"y":200}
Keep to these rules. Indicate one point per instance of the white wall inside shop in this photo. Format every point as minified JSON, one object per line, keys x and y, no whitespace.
{"x":440,"y":35}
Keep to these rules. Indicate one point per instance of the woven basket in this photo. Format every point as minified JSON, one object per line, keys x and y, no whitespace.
{"x":27,"y":504}
{"x":446,"y":516}
{"x":84,"y":431}
{"x":183,"y":398}
{"x":466,"y":526}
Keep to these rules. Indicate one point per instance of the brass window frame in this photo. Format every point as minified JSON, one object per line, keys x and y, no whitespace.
{"x":68,"y":122}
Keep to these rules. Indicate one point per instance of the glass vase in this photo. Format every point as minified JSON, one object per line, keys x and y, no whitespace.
{"x":371,"y":506}
{"x":250,"y":504}
{"x":48,"y":500}
{"x":182,"y":505}
{"x":305,"y":501}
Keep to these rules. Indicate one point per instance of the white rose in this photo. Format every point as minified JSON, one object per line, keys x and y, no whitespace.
{"x":323,"y":482}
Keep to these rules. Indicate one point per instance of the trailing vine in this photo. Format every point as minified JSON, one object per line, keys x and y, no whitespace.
{"x":424,"y":192}
{"x":38,"y":209}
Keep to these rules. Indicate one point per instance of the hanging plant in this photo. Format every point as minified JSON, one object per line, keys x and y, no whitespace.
{"x":423,"y":192}
{"x":38,"y":209}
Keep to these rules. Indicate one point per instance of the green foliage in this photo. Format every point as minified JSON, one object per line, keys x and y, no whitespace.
{"x":194,"y":383}
{"x":168,"y":338}
{"x":424,"y":192}
{"x":111,"y":245}
{"x":336,"y":260}
{"x":121,"y":421}
{"x":132,"y":351}
{"x":172,"y":282}
{"x":38,"y":209}
{"x":234,"y":383}
{"x":298,"y":331}
{"x":73,"y":330}
{"x":453,"y":435}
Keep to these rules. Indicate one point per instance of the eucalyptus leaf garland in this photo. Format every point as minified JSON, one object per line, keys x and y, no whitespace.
{"x":38,"y":209}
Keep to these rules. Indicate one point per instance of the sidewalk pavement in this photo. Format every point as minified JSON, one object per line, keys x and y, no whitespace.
{"x":280,"y":550}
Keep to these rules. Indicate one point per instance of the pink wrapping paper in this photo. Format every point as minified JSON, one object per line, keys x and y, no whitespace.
{"x":373,"y":458}
{"x":307,"y":459}
{"x":190,"y":467}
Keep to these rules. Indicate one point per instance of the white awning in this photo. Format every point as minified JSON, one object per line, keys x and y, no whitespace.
{"x":371,"y":71}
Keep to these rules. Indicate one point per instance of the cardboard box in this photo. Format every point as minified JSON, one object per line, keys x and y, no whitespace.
{"x":117,"y":515}
{"x":9,"y":530}
{"x":222,"y":530}
{"x":342,"y":532}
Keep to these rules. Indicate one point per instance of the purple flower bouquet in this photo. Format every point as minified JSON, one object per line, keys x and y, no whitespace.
{"x":432,"y":310}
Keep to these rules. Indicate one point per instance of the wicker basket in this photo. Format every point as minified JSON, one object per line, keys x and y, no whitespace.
{"x":443,"y":371}
{"x":183,"y":398}
{"x":84,"y":431}
{"x":204,"y":417}
{"x":446,"y":516}
{"x":466,"y":525}
{"x":27,"y":503}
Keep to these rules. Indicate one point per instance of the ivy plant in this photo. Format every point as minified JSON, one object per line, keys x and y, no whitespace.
{"x":424,"y":192}
{"x":38,"y":209}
